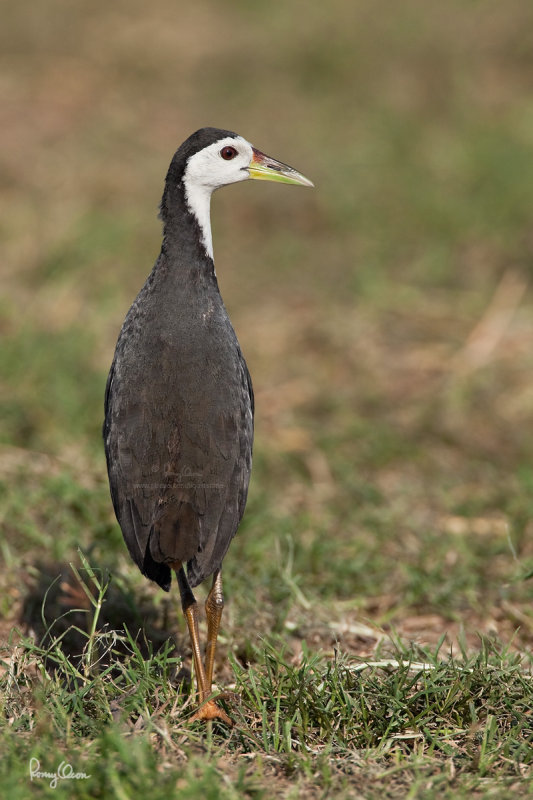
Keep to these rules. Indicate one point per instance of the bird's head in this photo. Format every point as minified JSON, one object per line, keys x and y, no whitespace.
{"x":222,"y":157}
{"x":212,"y":158}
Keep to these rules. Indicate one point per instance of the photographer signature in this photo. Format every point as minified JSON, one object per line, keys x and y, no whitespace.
{"x":63,"y":772}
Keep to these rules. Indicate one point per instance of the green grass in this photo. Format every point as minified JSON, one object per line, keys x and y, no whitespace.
{"x":317,"y":725}
{"x":377,"y":636}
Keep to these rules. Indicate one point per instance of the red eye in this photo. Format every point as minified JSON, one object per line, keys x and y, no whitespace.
{"x":228,"y":153}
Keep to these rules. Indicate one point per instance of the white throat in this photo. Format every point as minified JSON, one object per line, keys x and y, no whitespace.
{"x":206,"y":171}
{"x":198,"y":199}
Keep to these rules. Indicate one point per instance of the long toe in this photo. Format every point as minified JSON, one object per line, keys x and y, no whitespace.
{"x":210,"y":710}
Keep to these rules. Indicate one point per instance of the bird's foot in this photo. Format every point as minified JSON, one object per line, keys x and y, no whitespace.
{"x":210,"y":710}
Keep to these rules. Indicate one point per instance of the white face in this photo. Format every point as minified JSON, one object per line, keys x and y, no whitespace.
{"x":223,"y":162}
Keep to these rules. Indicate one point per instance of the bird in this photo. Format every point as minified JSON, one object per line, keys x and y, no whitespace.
{"x":179,"y":403}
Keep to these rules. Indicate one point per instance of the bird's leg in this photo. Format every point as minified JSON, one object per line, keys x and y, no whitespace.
{"x":213,"y":611}
{"x":190,"y":610}
{"x":208,"y":708}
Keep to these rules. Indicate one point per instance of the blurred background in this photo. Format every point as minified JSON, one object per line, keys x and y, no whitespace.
{"x":386,"y":316}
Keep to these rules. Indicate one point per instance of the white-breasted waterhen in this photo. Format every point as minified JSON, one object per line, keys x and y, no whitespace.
{"x":179,"y":405}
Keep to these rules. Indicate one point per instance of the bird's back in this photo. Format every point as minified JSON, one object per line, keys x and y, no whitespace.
{"x":178,"y":426}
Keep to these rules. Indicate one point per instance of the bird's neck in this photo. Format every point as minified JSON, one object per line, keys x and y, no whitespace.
{"x":186,"y":214}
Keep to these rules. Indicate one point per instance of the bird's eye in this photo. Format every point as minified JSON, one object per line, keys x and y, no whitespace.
{"x":228,"y":153}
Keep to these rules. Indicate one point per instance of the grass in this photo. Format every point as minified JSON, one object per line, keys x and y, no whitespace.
{"x":410,"y":718}
{"x":377,"y":636}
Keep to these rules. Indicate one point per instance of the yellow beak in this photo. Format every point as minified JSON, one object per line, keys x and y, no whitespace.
{"x":264,"y":168}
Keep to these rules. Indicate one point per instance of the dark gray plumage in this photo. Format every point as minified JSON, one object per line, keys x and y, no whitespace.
{"x":179,"y":403}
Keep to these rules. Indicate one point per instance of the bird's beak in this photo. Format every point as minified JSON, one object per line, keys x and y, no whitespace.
{"x":264,"y":168}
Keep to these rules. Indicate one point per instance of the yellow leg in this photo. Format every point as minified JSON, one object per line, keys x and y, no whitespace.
{"x":191,"y":615}
{"x":213,"y":611}
{"x":208,"y":709}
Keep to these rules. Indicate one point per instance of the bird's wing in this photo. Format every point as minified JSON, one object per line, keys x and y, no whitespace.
{"x":222,"y":518}
{"x":178,"y":470}
{"x":130,"y":474}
